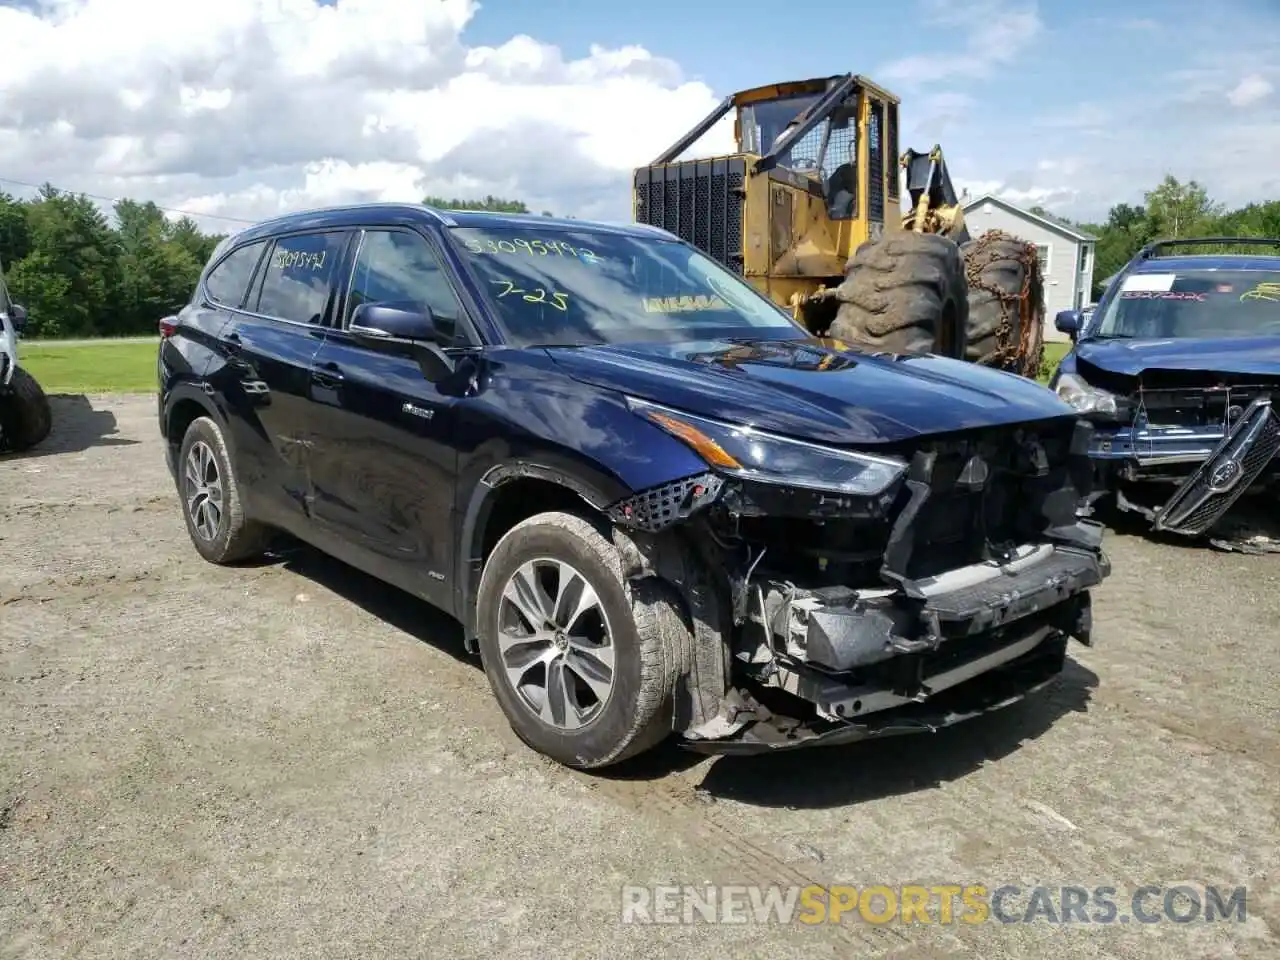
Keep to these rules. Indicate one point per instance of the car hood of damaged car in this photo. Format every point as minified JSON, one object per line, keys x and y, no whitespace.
{"x":815,"y":389}
{"x":1247,"y":355}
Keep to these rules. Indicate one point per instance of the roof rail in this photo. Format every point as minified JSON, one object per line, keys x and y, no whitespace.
{"x":1153,"y":249}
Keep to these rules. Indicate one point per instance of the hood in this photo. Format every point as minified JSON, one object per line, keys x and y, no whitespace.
{"x":1248,"y":355}
{"x":815,"y":389}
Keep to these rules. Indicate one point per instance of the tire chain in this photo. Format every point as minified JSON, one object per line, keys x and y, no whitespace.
{"x":1028,"y":354}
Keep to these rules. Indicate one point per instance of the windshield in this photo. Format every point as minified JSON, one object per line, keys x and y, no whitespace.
{"x":557,"y":287}
{"x":1194,"y":303}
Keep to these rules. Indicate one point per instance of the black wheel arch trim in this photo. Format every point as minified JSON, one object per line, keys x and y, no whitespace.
{"x":474,"y":519}
{"x":179,"y":393}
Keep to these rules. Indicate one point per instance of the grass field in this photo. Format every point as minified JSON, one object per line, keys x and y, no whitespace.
{"x":1053,"y":354}
{"x":87,"y":367}
{"x":130,"y":366}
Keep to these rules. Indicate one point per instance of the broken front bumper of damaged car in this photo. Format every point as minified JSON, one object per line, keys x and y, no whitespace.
{"x":913,"y":658}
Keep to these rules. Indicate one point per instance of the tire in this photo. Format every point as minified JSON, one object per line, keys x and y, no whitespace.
{"x":904,"y":293}
{"x":232,"y":537}
{"x":28,"y":419}
{"x":1006,"y":303}
{"x":648,"y":637}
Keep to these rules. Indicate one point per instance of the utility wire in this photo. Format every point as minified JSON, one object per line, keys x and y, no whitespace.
{"x":94,"y":196}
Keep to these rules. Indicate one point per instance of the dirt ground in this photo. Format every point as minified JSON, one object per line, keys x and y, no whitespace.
{"x":291,"y":760}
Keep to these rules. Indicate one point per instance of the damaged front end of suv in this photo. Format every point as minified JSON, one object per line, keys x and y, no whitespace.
{"x":836,"y":595}
{"x":1179,"y":371}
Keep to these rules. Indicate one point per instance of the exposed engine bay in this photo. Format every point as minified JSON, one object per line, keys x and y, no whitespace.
{"x":820,"y":617}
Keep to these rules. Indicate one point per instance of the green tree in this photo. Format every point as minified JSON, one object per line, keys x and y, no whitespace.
{"x":15,"y":229}
{"x":157,"y":272}
{"x":1177,"y":209}
{"x":490,"y":203}
{"x":71,"y":237}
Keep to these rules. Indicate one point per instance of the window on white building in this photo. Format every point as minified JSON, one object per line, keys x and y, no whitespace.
{"x":1042,"y":254}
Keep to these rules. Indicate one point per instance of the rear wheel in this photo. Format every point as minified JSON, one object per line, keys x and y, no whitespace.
{"x":904,"y":293}
{"x":27,"y":417}
{"x":1006,"y":303}
{"x":211,"y":503}
{"x":583,"y":662}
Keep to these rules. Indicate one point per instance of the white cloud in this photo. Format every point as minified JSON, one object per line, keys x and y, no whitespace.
{"x":245,"y":108}
{"x":1250,"y":90}
{"x":994,"y":34}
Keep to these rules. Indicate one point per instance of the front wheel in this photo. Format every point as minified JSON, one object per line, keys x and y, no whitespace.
{"x":582,"y":662}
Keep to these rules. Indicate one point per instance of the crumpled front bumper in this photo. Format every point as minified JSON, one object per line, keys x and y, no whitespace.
{"x":1002,"y":686}
{"x":912,"y":659}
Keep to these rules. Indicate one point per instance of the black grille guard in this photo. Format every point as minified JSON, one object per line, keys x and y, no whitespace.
{"x":1246,"y":450}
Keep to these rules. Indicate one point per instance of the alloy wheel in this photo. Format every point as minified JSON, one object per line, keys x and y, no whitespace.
{"x":202,"y":485}
{"x":556,"y":644}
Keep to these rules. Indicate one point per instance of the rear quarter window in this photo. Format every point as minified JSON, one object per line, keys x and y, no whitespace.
{"x":228,"y":282}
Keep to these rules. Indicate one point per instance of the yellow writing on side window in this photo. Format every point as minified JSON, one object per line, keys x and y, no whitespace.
{"x":298,"y":258}
{"x":537,"y":295}
{"x":684,"y":304}
{"x":1263,"y":291}
{"x":532,"y":248}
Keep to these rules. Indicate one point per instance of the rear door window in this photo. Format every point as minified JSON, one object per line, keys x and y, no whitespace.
{"x":229,"y":280}
{"x":298,"y":277}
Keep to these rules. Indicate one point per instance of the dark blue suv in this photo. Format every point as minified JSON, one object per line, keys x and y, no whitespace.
{"x":655,"y":502}
{"x":1177,"y":368}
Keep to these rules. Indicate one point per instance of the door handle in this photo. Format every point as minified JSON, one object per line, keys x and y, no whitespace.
{"x":327,"y":374}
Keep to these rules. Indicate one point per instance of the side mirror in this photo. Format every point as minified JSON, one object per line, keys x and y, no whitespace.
{"x":18,"y":316}
{"x":1069,"y":322}
{"x":393,"y":321}
{"x":407,"y":328}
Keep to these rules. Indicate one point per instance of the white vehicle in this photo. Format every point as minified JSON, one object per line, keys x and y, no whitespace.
{"x":25,"y":418}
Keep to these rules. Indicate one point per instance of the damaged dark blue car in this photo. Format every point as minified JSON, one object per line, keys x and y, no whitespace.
{"x":655,"y":502}
{"x":1178,"y":369}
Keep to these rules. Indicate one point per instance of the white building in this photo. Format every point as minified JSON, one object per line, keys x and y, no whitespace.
{"x":1066,"y":252}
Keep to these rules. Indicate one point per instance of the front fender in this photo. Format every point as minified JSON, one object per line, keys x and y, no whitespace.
{"x":531,"y":421}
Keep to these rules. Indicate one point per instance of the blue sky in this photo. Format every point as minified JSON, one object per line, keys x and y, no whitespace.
{"x":1085,"y":84}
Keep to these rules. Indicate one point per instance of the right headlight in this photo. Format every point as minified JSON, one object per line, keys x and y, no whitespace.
{"x":1085,"y":398}
{"x":743,"y":451}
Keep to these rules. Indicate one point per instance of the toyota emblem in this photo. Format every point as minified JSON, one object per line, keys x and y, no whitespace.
{"x":1224,"y":475}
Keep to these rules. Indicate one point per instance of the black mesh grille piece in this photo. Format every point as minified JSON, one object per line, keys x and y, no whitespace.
{"x":659,"y":507}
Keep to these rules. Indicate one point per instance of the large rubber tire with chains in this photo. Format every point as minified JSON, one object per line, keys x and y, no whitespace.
{"x":1006,"y":303}
{"x":25,"y":416}
{"x":904,"y":293}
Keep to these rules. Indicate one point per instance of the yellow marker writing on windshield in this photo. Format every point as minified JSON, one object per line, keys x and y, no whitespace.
{"x":684,"y":304}
{"x":537,"y":295}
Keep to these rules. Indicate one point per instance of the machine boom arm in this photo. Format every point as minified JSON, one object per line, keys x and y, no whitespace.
{"x":935,"y":208}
